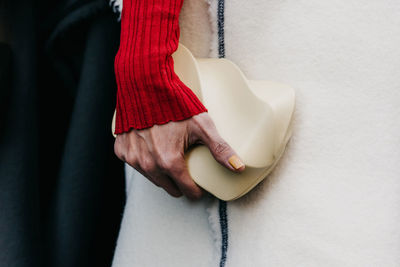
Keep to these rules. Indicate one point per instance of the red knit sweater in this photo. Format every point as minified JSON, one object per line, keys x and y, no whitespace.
{"x":149,"y":91}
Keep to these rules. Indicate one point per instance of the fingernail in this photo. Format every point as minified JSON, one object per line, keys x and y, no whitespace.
{"x":235,"y":162}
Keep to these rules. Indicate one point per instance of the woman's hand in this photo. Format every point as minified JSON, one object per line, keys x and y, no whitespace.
{"x":158,"y":152}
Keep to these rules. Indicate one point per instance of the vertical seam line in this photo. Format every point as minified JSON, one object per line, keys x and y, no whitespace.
{"x":223,"y":216}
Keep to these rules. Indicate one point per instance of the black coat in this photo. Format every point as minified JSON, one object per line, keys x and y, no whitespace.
{"x":61,"y":187}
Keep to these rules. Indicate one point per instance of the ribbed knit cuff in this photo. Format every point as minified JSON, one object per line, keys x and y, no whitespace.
{"x":149,"y":91}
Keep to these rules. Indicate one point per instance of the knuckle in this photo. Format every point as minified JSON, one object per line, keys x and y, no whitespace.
{"x":191,"y":191}
{"x":169,"y":162}
{"x":132,"y":160}
{"x":194,"y":194}
{"x":117,"y":150}
{"x":186,"y":184}
{"x":221,"y":147}
{"x":147,"y":165}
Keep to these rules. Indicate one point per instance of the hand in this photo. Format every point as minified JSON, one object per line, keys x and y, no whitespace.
{"x":158,"y":152}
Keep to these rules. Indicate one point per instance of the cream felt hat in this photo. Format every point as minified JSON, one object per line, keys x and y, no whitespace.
{"x":254,"y":117}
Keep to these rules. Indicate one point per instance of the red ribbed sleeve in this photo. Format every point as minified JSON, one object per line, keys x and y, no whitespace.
{"x":149,"y":91}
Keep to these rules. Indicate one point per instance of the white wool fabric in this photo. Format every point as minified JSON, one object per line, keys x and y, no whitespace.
{"x":334,"y":198}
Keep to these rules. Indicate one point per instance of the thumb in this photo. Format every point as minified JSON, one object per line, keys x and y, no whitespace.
{"x":224,"y":153}
{"x":203,"y":131}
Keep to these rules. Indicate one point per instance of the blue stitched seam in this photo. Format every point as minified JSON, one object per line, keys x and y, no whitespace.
{"x":223,"y":217}
{"x":221,"y":41}
{"x":223,"y":220}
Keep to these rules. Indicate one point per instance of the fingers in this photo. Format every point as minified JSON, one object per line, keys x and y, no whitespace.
{"x":177,"y":170}
{"x":158,"y":154}
{"x":173,"y":178}
{"x":219,"y":148}
{"x":159,"y":179}
{"x":167,"y":184}
{"x":145,"y":164}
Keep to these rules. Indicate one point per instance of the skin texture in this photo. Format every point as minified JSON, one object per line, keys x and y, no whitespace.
{"x":158,"y":152}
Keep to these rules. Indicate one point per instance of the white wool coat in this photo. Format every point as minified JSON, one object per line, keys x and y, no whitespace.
{"x":334,"y":198}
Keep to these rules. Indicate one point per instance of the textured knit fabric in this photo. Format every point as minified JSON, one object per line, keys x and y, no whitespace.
{"x":149,"y":91}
